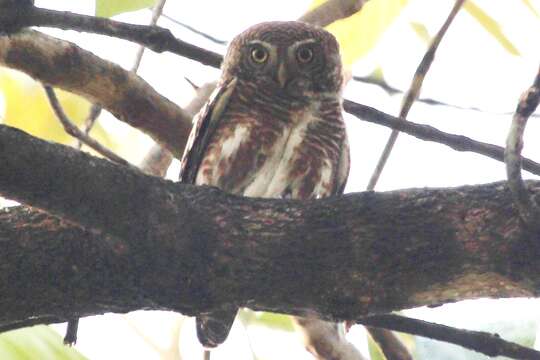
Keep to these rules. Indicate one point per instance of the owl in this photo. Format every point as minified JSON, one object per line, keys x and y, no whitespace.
{"x":273,"y":127}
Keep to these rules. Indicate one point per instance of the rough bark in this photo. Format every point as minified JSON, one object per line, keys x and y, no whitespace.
{"x":132,"y":241}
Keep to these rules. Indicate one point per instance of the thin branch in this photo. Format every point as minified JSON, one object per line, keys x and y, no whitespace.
{"x":153,"y":37}
{"x":74,"y":131}
{"x":391,"y":346}
{"x":95,"y":110}
{"x":93,"y":114}
{"x":429,"y":133}
{"x":157,"y":11}
{"x":193,"y":30}
{"x":482,"y":342}
{"x":390,"y":90}
{"x":512,"y":156}
{"x":413,"y":92}
{"x":70,"y":338}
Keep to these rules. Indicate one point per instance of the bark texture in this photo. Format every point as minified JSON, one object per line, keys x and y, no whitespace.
{"x":131,"y":241}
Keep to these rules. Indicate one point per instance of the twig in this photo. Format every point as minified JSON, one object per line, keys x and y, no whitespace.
{"x":71,"y":332}
{"x":390,"y":90}
{"x":413,"y":92}
{"x":157,"y":11}
{"x":95,"y":110}
{"x":482,"y":342}
{"x":391,"y":346}
{"x":429,"y":133}
{"x":528,"y":103}
{"x":74,"y":131}
{"x":93,"y":114}
{"x":193,"y":30}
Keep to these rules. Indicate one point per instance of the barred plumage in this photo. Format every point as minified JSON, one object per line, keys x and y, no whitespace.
{"x":273,"y":128}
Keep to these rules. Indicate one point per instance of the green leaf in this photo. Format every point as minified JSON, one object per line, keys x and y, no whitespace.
{"x":421,"y":31}
{"x":108,"y":8}
{"x":275,"y":321}
{"x":375,"y":352}
{"x":38,"y":342}
{"x":268,"y":319}
{"x":491,"y":26}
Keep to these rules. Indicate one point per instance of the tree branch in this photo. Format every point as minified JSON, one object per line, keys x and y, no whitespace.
{"x":74,"y":131}
{"x":63,"y":64}
{"x":480,"y":341}
{"x":154,"y":244}
{"x":413,"y":92}
{"x":512,"y":156}
{"x":153,"y":37}
{"x":429,"y":133}
{"x":389,"y":343}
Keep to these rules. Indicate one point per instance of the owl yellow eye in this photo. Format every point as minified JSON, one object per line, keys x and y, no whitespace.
{"x":259,"y":55}
{"x":304,"y":55}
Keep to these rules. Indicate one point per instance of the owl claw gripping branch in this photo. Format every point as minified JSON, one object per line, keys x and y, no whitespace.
{"x":273,"y":127}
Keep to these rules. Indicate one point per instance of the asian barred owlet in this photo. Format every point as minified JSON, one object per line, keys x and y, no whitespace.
{"x":272,"y":128}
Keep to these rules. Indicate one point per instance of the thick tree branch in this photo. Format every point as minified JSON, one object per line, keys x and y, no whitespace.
{"x":192,"y":249}
{"x":65,"y":65}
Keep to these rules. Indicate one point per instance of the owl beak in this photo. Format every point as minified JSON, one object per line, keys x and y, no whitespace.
{"x":282,"y":76}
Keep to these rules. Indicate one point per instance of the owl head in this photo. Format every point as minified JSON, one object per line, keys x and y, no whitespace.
{"x":286,"y":56}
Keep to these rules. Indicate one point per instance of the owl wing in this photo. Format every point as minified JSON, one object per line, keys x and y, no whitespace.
{"x":204,"y":125}
{"x":343,"y":168}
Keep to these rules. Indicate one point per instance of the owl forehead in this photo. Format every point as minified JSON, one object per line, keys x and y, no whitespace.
{"x":283,"y":34}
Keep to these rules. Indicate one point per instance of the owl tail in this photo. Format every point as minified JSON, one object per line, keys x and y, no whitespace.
{"x":213,"y":328}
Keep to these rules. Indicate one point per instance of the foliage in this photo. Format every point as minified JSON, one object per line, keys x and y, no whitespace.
{"x":108,"y":8}
{"x":491,"y":26}
{"x":25,"y":344}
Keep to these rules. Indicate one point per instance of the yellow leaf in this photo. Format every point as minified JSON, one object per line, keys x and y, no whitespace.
{"x":27,"y":108}
{"x":421,"y":31}
{"x":530,"y":6}
{"x":359,"y":33}
{"x":491,"y":26}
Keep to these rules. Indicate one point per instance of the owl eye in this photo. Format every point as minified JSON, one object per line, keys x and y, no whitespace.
{"x":259,"y":55}
{"x":304,"y":55}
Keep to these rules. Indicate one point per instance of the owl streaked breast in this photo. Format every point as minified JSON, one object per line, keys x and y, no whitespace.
{"x":273,"y":128}
{"x":260,"y":151}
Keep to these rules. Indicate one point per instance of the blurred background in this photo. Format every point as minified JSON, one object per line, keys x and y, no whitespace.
{"x":489,"y":56}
